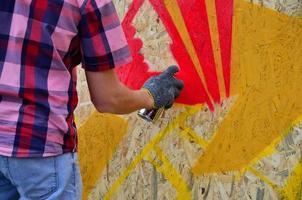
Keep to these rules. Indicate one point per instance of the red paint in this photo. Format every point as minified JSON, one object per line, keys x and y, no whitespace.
{"x":224,"y":10}
{"x":194,"y":92}
{"x":137,"y":72}
{"x":196,"y":19}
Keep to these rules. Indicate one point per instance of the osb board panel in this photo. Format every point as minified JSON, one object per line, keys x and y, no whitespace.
{"x":144,"y":182}
{"x":84,"y":108}
{"x":156,"y":41}
{"x":154,"y":37}
{"x":147,"y":180}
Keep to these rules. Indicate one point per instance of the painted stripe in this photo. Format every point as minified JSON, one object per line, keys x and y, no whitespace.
{"x":175,"y":13}
{"x":212,"y":18}
{"x":264,"y":178}
{"x":195,"y":17}
{"x":149,"y":147}
{"x":189,"y":134}
{"x":224,"y":11}
{"x":165,"y":167}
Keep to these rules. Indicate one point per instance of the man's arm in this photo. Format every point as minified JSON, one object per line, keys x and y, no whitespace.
{"x":109,"y":95}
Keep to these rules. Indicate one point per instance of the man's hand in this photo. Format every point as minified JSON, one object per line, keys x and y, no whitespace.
{"x":164,"y":88}
{"x":109,"y":95}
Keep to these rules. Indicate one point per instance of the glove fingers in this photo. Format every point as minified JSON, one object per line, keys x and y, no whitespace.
{"x":171,"y":70}
{"x":179,"y":84}
{"x":165,"y":87}
{"x":176,"y":93}
{"x":169,"y":105}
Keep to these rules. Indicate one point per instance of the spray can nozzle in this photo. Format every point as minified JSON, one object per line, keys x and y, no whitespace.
{"x":151,"y":115}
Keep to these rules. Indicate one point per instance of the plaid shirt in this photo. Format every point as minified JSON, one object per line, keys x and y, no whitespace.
{"x":41,"y":42}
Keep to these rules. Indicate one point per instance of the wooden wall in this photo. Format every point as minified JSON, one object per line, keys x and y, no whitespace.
{"x":124,"y":157}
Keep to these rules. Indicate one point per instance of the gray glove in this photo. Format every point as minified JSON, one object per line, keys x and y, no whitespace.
{"x":164,"y":88}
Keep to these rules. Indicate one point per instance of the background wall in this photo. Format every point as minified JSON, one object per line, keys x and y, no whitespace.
{"x":195,"y":153}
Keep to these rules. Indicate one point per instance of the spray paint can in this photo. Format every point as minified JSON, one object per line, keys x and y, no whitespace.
{"x":151,"y":115}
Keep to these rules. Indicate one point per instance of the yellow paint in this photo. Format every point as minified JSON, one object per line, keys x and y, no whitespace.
{"x":270,"y":149}
{"x":189,"y":134}
{"x":149,"y":147}
{"x":98,"y":138}
{"x":293,"y":187}
{"x":166,"y":168}
{"x":175,"y":13}
{"x":263,"y":178}
{"x":212,"y":18}
{"x":266,"y":74}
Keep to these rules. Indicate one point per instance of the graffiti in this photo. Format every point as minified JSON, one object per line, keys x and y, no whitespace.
{"x":192,"y":48}
{"x":208,"y":37}
{"x":267,"y":105}
{"x":98,"y":138}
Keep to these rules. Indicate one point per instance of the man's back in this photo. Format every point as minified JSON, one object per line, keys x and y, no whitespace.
{"x":41,"y":42}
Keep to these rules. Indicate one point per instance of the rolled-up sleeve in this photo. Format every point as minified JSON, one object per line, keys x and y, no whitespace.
{"x":103,"y":42}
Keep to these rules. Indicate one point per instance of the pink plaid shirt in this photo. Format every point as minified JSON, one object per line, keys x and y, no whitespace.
{"x":41,"y":43}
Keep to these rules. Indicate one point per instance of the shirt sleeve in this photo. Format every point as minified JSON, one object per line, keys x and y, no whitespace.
{"x":103,"y":42}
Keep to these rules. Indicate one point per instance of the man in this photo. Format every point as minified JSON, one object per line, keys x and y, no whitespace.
{"x":41,"y":42}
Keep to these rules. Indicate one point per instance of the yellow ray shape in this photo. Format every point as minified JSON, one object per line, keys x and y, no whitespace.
{"x":175,"y":13}
{"x":98,"y":138}
{"x":212,"y":17}
{"x":266,"y":74}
